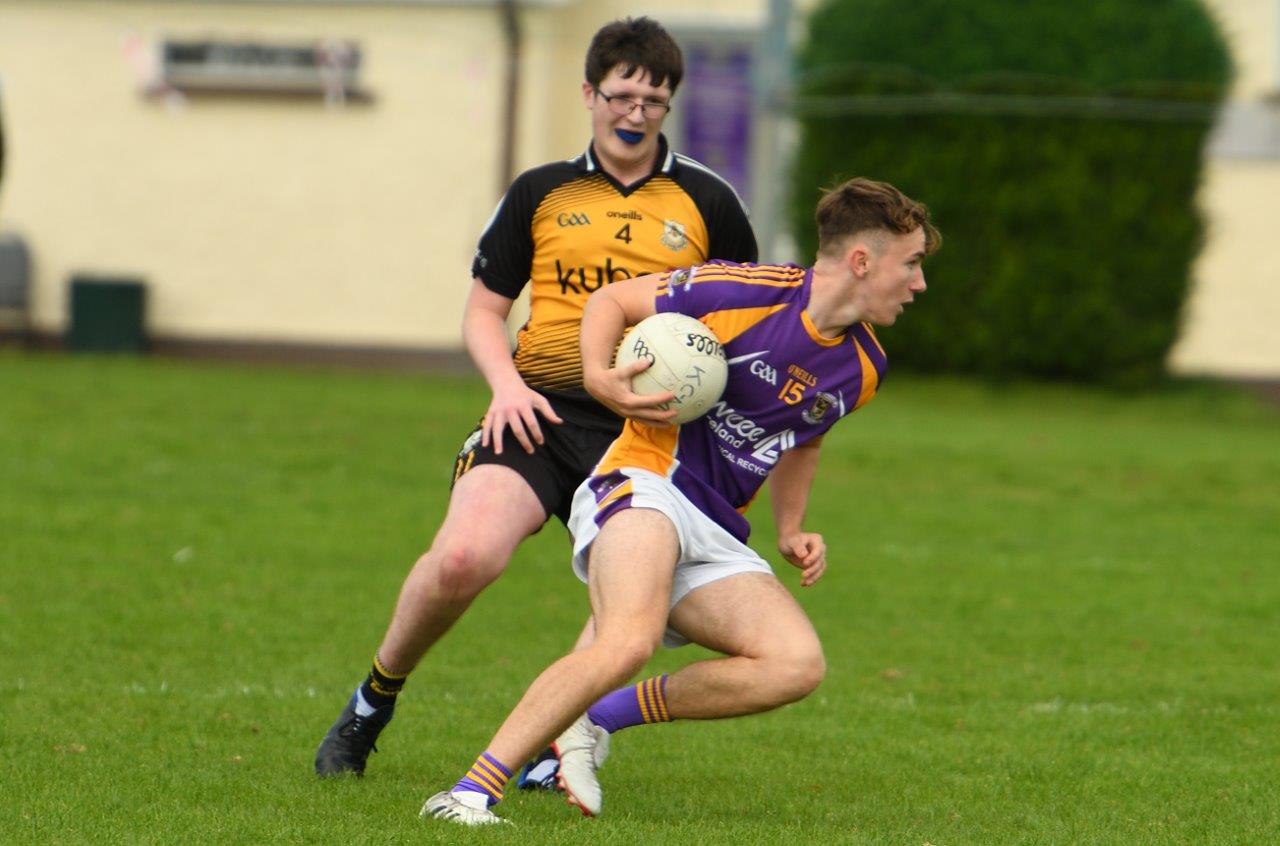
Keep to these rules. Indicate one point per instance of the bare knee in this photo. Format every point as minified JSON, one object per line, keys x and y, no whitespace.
{"x":458,"y":569}
{"x":626,"y":655}
{"x":795,"y":673}
{"x":810,"y":669}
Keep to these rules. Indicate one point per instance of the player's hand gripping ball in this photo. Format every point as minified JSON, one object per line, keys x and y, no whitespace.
{"x":685,"y":358}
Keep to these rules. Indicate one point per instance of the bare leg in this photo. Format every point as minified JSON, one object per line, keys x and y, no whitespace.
{"x":632,"y":561}
{"x":587,"y":636}
{"x":774,"y":653}
{"x":491,"y":510}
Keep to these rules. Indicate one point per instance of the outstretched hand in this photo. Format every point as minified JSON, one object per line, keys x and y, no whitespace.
{"x":612,"y":388}
{"x":806,"y":551}
{"x":516,"y":407}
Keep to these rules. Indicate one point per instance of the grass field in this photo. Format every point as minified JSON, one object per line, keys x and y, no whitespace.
{"x":1052,"y":617}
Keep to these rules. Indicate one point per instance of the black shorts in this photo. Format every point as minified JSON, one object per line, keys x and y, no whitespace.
{"x":555,"y":468}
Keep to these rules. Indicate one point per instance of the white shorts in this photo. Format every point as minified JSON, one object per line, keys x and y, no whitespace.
{"x":708,"y":553}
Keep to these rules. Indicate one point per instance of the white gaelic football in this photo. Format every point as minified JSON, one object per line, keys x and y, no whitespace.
{"x":687,"y":360}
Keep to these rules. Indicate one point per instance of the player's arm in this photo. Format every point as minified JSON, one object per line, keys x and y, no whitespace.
{"x":789,"y":486}
{"x":514,"y":404}
{"x":608,"y":313}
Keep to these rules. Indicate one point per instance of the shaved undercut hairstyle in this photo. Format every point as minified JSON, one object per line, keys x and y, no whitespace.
{"x":864,"y":205}
{"x":637,"y":44}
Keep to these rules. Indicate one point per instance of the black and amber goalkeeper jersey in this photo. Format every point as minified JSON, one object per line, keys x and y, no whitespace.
{"x":569,"y":228}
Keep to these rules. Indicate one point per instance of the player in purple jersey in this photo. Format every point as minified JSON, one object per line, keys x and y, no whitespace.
{"x":659,"y":532}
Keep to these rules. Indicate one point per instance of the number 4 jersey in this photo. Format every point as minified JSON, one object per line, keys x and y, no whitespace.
{"x":787,"y":385}
{"x":568,"y":228}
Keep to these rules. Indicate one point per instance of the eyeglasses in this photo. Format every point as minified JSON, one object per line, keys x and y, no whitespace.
{"x":620,"y":106}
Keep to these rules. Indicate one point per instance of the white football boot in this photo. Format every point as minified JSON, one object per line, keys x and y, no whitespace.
{"x":446,"y":806}
{"x":582,"y":750}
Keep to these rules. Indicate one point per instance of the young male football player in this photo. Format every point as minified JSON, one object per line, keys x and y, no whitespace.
{"x":626,"y":207}
{"x":659,"y":532}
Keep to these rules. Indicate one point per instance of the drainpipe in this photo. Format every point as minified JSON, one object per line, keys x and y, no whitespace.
{"x":511,"y":34}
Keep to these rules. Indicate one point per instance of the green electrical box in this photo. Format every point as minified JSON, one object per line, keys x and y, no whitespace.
{"x":107,"y":315}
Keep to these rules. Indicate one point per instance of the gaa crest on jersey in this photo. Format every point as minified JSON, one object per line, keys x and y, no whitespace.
{"x":673,"y":235}
{"x":821,"y":405}
{"x":680,"y":277}
{"x":572,"y":219}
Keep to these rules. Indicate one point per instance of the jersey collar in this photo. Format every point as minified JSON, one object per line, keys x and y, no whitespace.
{"x":665,"y":161}
{"x":809,"y":327}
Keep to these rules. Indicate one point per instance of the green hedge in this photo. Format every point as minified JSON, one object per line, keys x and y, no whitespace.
{"x":1059,"y":146}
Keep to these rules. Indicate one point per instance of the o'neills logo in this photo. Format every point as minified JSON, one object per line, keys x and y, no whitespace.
{"x":802,"y":375}
{"x":626,"y":215}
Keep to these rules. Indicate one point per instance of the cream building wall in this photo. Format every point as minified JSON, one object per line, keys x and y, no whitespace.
{"x":1232,"y":322}
{"x":254,"y":218}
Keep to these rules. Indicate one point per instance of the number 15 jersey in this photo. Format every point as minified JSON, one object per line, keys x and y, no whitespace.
{"x":787,"y":385}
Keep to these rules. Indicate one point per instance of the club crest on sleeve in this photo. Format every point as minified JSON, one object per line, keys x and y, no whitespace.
{"x":673,"y":235}
{"x":822,"y":403}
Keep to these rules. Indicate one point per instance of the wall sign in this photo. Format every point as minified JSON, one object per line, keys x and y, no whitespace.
{"x":328,"y":69}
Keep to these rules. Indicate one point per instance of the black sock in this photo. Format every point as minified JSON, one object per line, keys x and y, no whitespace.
{"x":382,"y":687}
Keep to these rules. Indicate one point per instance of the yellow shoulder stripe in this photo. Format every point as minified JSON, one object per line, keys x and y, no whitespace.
{"x":872,"y":333}
{"x":731,"y":323}
{"x":870,"y":379}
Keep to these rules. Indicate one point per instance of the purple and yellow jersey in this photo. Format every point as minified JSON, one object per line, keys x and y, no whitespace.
{"x":787,"y":385}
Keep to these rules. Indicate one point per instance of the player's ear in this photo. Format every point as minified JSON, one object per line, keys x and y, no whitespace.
{"x":588,"y":91}
{"x":858,"y":257}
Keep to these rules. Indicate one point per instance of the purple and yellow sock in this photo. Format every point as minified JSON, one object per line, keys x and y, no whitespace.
{"x":643,"y":703}
{"x":488,"y":776}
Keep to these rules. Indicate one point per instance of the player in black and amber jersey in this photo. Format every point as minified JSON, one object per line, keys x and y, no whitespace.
{"x":627,"y":206}
{"x":569,"y":228}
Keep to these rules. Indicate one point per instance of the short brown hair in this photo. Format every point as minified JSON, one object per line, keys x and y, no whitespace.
{"x":635,"y":44}
{"x":863,"y":205}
